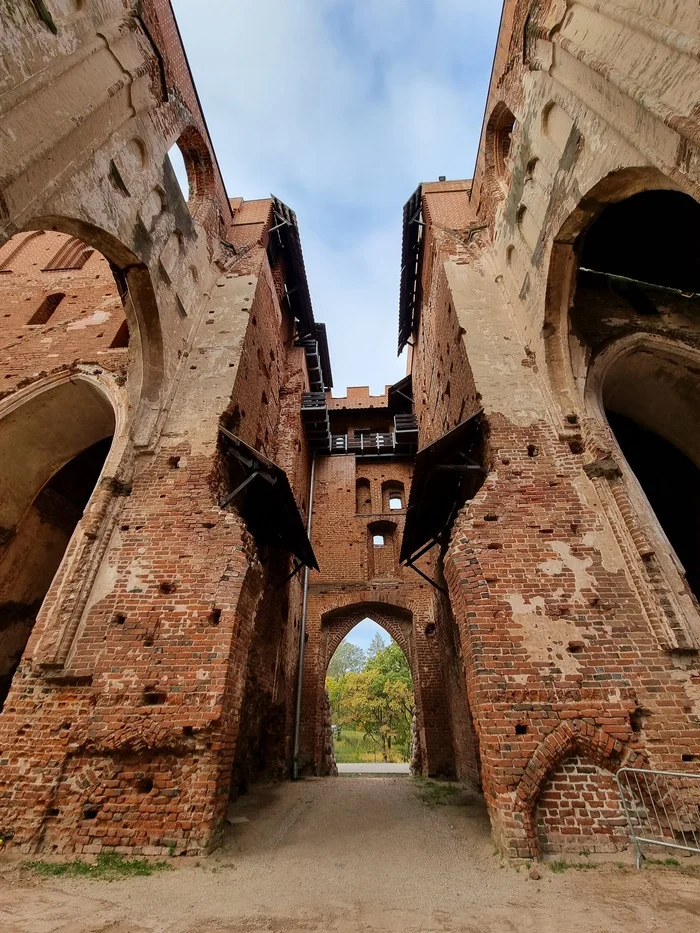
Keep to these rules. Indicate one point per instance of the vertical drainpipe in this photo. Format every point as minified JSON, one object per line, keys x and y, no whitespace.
{"x":302,"y":628}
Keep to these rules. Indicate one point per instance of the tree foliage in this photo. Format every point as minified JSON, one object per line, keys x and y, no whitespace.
{"x":376,"y":645}
{"x":347,"y":657}
{"x":378,"y":700}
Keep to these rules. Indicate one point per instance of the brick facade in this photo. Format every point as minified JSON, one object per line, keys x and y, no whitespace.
{"x":359,"y":580}
{"x":579,"y":634}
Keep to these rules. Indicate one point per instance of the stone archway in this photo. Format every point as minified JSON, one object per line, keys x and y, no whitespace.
{"x":55,"y":440}
{"x":644,"y":391}
{"x":565,"y":260}
{"x":621,"y":331}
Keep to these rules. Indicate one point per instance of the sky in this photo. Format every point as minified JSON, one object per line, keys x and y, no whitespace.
{"x":364,"y":632}
{"x":341,"y":108}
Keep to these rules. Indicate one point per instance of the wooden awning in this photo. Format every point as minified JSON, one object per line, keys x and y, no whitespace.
{"x":446,"y":474}
{"x":265,"y":500}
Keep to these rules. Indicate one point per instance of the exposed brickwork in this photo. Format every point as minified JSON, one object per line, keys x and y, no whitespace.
{"x":358,"y":580}
{"x":89,"y":315}
{"x":178,"y":686}
{"x":578,"y":655}
{"x":159,"y":677}
{"x":578,"y":810}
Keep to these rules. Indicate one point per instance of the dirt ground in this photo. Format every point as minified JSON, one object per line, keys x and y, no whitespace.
{"x":354,"y":854}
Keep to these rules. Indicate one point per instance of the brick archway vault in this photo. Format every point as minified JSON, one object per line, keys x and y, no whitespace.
{"x":338,"y":623}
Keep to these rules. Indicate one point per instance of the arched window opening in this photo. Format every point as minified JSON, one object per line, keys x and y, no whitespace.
{"x":652,"y":403}
{"x":371,"y":698}
{"x":363,"y":497}
{"x":392,"y":496}
{"x":499,"y":137}
{"x":177,"y":163}
{"x":43,"y":493}
{"x":382,"y":550}
{"x":190,"y":160}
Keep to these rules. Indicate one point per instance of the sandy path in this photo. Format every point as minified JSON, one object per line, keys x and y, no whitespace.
{"x":354,"y":854}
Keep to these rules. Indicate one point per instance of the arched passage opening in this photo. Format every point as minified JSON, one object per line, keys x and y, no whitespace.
{"x":371,"y":698}
{"x":623,"y":321}
{"x":630,"y":281}
{"x":650,"y":396}
{"x":53,"y":446}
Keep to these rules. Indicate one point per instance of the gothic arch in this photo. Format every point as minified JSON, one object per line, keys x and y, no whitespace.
{"x":570,"y":738}
{"x":621,"y":339}
{"x":198,"y":163}
{"x":59,"y":438}
{"x":499,"y":131}
{"x":564,"y":264}
{"x":146,"y":352}
{"x":395,"y":621}
{"x":673,"y":416}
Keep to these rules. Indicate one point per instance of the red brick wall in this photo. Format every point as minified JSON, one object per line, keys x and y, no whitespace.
{"x":83,"y":325}
{"x":443,"y":384}
{"x":552,"y":630}
{"x":181,"y":672}
{"x":358,"y":581}
{"x":578,"y":811}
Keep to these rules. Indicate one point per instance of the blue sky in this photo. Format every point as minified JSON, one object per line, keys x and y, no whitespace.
{"x":340,"y":108}
{"x":364,"y":632}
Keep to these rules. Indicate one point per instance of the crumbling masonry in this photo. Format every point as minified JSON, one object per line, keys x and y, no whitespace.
{"x":520,"y":513}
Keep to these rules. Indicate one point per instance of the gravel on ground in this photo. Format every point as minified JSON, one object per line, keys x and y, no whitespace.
{"x":358,"y":853}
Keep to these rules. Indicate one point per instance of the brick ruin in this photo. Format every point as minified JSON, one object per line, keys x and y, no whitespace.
{"x":520,"y":513}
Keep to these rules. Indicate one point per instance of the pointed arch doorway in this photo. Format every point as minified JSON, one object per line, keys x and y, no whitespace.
{"x":371,"y":703}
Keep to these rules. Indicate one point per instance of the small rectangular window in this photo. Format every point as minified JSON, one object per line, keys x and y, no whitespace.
{"x":378,"y":540}
{"x":395,"y":503}
{"x":46,"y":308}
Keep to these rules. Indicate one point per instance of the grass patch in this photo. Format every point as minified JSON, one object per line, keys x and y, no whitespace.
{"x":108,"y":866}
{"x":559,"y":866}
{"x":442,"y":793}
{"x":353,"y":746}
{"x":670,"y":862}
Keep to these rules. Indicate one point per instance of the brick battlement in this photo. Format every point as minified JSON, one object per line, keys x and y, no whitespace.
{"x":358,"y":397}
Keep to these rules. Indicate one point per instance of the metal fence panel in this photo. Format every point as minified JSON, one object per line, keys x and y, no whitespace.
{"x":662,"y":808}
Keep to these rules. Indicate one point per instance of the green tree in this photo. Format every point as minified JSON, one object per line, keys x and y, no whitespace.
{"x":347,"y":657}
{"x":378,"y":701}
{"x":376,"y":645}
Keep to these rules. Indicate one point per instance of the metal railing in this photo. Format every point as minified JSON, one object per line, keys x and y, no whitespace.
{"x":662,"y":809}
{"x":363,"y":443}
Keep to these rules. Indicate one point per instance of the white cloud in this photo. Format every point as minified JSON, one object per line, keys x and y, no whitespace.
{"x":341,"y":107}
